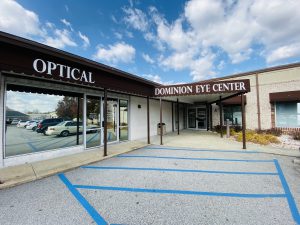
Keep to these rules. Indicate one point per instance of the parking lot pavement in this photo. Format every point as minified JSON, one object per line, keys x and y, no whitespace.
{"x":163,"y":185}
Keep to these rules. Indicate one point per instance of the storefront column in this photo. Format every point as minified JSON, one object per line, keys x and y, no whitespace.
{"x":2,"y":120}
{"x":243,"y":121}
{"x":78,"y":108}
{"x":221,"y":116}
{"x":177,"y":116}
{"x":105,"y":121}
{"x":207,"y":117}
{"x":160,"y":122}
{"x":148,"y":121}
{"x":172,"y":117}
{"x":210,"y":117}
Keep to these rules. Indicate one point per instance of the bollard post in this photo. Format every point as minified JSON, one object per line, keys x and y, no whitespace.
{"x":227,"y":129}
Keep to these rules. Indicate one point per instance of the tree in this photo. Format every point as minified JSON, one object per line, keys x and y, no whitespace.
{"x":67,"y":108}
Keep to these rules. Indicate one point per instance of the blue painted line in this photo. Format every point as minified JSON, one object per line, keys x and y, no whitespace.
{"x":166,"y":191}
{"x":177,"y":170}
{"x":200,"y":150}
{"x":289,"y":196}
{"x":93,"y":213}
{"x":201,"y":159}
{"x":33,"y":148}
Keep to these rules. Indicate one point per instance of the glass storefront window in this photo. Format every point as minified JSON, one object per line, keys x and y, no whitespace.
{"x":93,"y":121}
{"x":233,"y":113}
{"x":112,"y":122}
{"x":123,"y":118}
{"x":39,"y":121}
{"x":287,"y":114}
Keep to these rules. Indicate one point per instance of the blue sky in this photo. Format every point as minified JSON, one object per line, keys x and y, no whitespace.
{"x":164,"y":41}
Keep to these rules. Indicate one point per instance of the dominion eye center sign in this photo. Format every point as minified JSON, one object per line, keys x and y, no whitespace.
{"x":229,"y":86}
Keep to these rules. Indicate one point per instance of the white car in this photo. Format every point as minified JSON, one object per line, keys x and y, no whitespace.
{"x":14,"y":122}
{"x":32,"y":125}
{"x":22,"y":123}
{"x":67,"y":127}
{"x":64,"y":128}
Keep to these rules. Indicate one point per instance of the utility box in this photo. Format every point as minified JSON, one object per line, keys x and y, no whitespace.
{"x":163,"y":128}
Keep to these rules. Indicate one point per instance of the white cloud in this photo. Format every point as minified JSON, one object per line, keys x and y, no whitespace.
{"x":135,"y":18}
{"x":119,"y":52}
{"x":67,"y":23}
{"x":118,"y":35}
{"x":17,"y":20}
{"x":284,"y":52}
{"x":61,"y":39}
{"x":85,"y":39}
{"x":147,"y":58}
{"x":157,"y":79}
{"x":67,"y":8}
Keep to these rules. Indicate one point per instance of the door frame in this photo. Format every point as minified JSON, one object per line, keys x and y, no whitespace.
{"x":187,"y":117}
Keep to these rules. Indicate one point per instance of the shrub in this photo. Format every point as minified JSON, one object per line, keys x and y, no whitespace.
{"x":217,"y":129}
{"x":272,"y":131}
{"x":296,"y":135}
{"x":258,"y":138}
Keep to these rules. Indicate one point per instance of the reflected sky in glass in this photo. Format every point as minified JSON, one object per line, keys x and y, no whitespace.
{"x":32,"y":102}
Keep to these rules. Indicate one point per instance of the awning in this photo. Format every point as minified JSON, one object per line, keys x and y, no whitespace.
{"x":288,"y":96}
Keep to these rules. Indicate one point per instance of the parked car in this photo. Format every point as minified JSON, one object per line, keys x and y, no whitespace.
{"x":22,"y":123}
{"x":32,"y":125}
{"x":28,"y":122}
{"x":64,"y":128}
{"x":14,"y":122}
{"x":44,"y":124}
{"x":68,"y":127}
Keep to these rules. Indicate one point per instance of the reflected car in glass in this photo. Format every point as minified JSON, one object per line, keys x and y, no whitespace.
{"x":32,"y":125}
{"x":64,"y":128}
{"x":44,"y":124}
{"x":22,"y":123}
{"x":14,"y":122}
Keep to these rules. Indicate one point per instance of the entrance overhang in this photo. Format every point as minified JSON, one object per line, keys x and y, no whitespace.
{"x":206,"y":93}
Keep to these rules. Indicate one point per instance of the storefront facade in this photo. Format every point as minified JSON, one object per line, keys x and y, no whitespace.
{"x":75,"y":105}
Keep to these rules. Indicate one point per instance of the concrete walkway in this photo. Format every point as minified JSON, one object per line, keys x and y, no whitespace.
{"x":15,"y":175}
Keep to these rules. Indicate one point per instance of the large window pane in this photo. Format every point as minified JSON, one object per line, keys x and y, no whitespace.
{"x":112,"y":123}
{"x":287,"y":114}
{"x":123,"y":105}
{"x":93,"y":122}
{"x":233,"y":114}
{"x":40,"y":121}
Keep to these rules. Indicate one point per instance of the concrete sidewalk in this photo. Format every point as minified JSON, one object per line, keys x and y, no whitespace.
{"x":15,"y":175}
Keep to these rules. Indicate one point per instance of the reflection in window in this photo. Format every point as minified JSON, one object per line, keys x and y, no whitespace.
{"x":123,"y":105}
{"x":287,"y":114}
{"x":41,"y":120}
{"x":112,"y":107}
{"x":233,"y":113}
{"x":93,"y":121}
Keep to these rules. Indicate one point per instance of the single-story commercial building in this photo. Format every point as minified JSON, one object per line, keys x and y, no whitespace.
{"x":76,"y":104}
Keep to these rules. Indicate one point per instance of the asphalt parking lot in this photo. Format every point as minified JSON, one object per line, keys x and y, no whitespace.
{"x":163,"y":185}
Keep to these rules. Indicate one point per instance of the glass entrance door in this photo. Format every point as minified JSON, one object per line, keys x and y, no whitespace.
{"x":93,"y":122}
{"x":201,"y":118}
{"x":197,"y":118}
{"x":192,"y":118}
